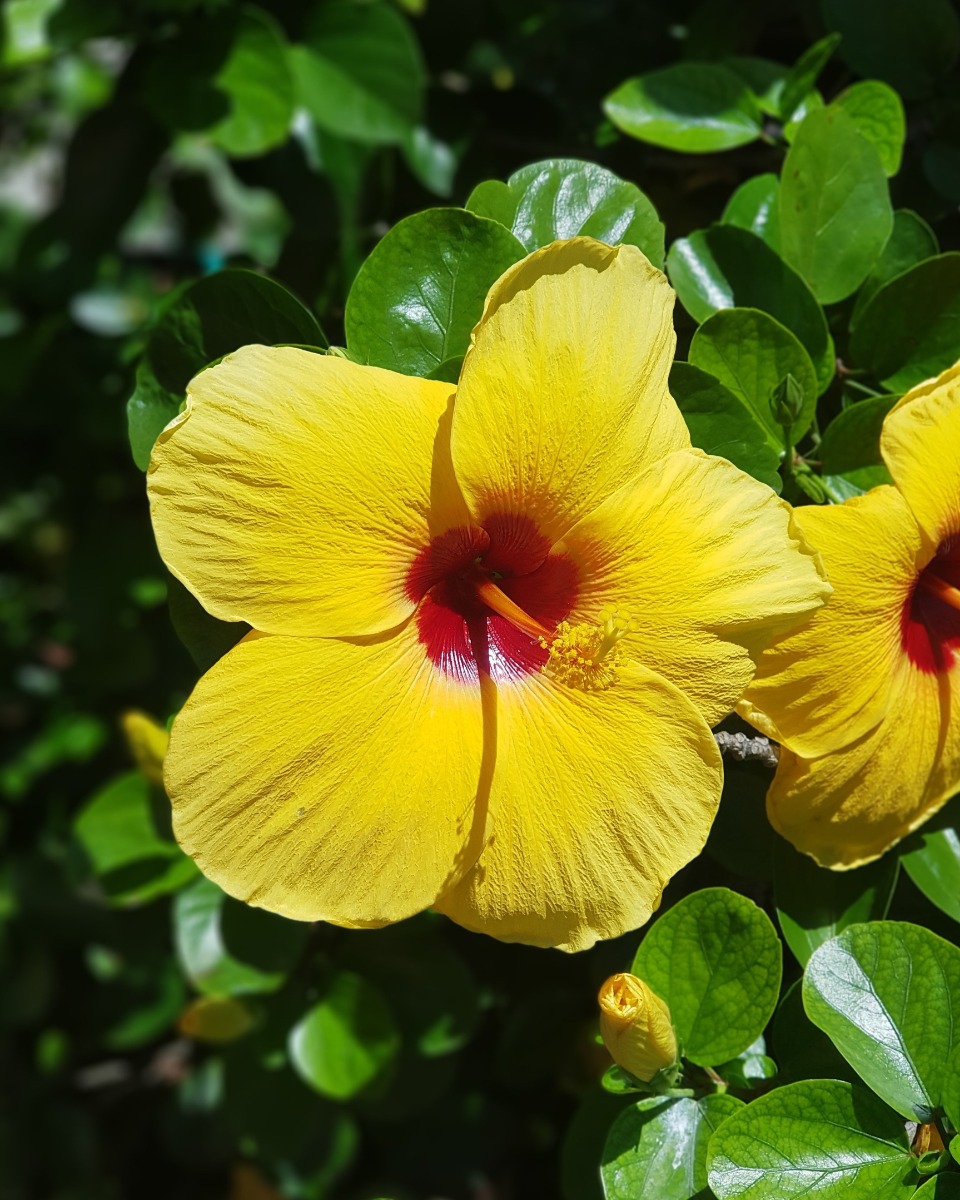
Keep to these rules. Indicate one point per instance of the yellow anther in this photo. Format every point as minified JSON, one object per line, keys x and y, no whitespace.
{"x":587,"y":656}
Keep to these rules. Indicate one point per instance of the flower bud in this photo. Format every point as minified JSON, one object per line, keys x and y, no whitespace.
{"x":147,"y":742}
{"x":635,"y":1026}
{"x":786,"y":401}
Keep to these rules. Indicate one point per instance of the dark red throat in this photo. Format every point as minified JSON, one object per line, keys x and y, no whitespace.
{"x":454,"y":623}
{"x":930,"y":625}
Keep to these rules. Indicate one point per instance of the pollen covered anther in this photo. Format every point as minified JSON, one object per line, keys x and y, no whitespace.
{"x":585,"y":655}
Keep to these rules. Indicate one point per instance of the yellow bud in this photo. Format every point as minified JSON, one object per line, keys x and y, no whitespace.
{"x":147,"y":742}
{"x":635,"y":1026}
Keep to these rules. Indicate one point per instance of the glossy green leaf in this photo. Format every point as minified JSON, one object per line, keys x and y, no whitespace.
{"x":877,"y":111}
{"x":421,"y":291}
{"x":716,"y":960}
{"x":911,"y":241}
{"x":721,"y":423}
{"x":693,"y":107}
{"x":835,"y":213}
{"x":888,"y":995}
{"x":910,"y":330}
{"x":359,"y":71}
{"x":931,"y":857}
{"x":940,"y":1187}
{"x":725,"y":267}
{"x":750,"y":352}
{"x":852,"y":439}
{"x":950,"y":1097}
{"x":229,"y":948}
{"x":908,"y":46}
{"x":817,"y":1137}
{"x":227,"y":76}
{"x":658,"y":1147}
{"x":805,"y":72}
{"x":814,"y":904}
{"x":347,"y":1040}
{"x":202,"y":323}
{"x":125,"y":833}
{"x":755,"y":206}
{"x":565,"y":197}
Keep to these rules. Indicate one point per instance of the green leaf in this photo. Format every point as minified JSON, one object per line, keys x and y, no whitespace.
{"x":225,"y":74}
{"x":432,"y":161}
{"x":911,"y":241}
{"x":931,"y":857}
{"x":877,"y":111}
{"x":693,"y":107}
{"x":564,"y":198}
{"x":852,"y":439}
{"x":227,"y":948}
{"x":421,"y":291}
{"x":721,"y":423}
{"x":763,"y":77}
{"x":835,"y":213}
{"x":951,"y":1090}
{"x":805,"y":72}
{"x":360,"y":73}
{"x":716,"y":960}
{"x":751,"y":353}
{"x":908,"y":46}
{"x":202,"y":323}
{"x":725,"y":267}
{"x":888,"y":995}
{"x":432,"y":991}
{"x":814,"y":905}
{"x":658,"y":1147}
{"x":347,"y":1040}
{"x":910,"y":329}
{"x":750,"y":1069}
{"x":940,"y":1187}
{"x":206,"y":638}
{"x":755,"y":206}
{"x":819,"y":1136}
{"x":125,"y":832}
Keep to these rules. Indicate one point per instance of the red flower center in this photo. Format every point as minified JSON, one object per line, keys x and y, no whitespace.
{"x":488,"y":592}
{"x":930,"y":624}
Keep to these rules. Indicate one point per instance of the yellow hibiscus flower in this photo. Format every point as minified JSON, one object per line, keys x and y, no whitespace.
{"x":863,"y":696}
{"x":438,"y":705}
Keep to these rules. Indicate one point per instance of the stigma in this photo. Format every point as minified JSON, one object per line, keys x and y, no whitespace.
{"x":587,"y":656}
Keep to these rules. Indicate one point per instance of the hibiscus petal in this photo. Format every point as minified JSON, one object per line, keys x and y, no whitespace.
{"x":563,"y":394}
{"x":706,"y":563}
{"x":921,"y":443}
{"x":330,"y":780}
{"x":848,"y":807}
{"x":601,"y":796}
{"x":297,"y":489}
{"x":828,"y":683}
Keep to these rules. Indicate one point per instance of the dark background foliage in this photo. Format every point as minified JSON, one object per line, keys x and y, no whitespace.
{"x":118,"y":183}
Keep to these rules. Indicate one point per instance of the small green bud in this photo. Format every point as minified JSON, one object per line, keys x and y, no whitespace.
{"x":786,"y":401}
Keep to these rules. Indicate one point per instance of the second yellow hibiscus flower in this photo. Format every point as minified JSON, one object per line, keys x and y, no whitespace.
{"x":492,"y":624}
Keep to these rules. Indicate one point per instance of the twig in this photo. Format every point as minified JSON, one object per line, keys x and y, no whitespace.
{"x":739,"y":747}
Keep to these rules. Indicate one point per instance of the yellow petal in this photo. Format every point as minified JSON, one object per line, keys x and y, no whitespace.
{"x":848,"y":807}
{"x":706,"y":564}
{"x":600,"y":797}
{"x":828,"y":683}
{"x":921,"y":444}
{"x":297,"y":489}
{"x":635,"y":1026}
{"x":329,"y":780}
{"x":563,"y":394}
